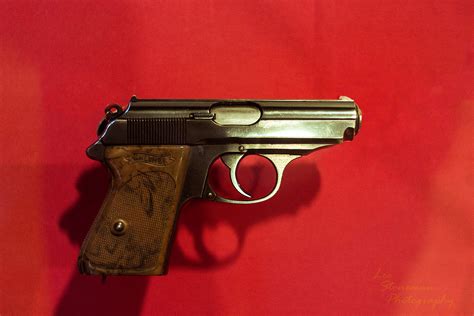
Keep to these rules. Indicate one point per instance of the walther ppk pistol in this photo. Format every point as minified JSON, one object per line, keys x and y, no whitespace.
{"x":159,"y":153}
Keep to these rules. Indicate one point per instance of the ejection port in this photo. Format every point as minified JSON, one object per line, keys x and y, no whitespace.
{"x":236,"y":113}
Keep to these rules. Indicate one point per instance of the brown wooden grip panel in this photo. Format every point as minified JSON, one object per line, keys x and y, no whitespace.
{"x":145,"y":194}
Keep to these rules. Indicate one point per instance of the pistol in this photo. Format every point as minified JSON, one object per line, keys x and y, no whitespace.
{"x":159,"y":153}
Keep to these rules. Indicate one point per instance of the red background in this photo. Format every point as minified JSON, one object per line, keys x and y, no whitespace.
{"x":379,"y":226}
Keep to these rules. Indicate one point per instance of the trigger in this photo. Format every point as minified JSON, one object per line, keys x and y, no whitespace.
{"x":232,"y":161}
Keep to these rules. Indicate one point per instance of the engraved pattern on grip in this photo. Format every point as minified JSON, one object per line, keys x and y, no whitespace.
{"x":145,"y":193}
{"x":145,"y":203}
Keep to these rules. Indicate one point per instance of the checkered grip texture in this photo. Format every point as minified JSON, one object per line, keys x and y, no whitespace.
{"x":146,"y":200}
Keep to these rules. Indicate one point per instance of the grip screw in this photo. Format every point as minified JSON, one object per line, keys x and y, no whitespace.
{"x":241,"y":148}
{"x":119,"y":227}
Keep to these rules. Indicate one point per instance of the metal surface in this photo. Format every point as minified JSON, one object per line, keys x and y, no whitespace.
{"x":232,"y":161}
{"x":119,"y":227}
{"x":279,"y":162}
{"x":280,"y":130}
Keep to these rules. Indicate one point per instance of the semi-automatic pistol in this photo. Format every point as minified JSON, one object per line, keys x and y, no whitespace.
{"x":159,"y":153}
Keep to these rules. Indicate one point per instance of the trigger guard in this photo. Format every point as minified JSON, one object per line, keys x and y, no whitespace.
{"x":279,"y":163}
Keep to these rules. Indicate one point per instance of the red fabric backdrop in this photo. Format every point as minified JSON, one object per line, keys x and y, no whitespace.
{"x":379,"y":226}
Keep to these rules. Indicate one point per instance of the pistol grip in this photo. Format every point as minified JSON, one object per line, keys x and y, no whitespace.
{"x":133,"y":231}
